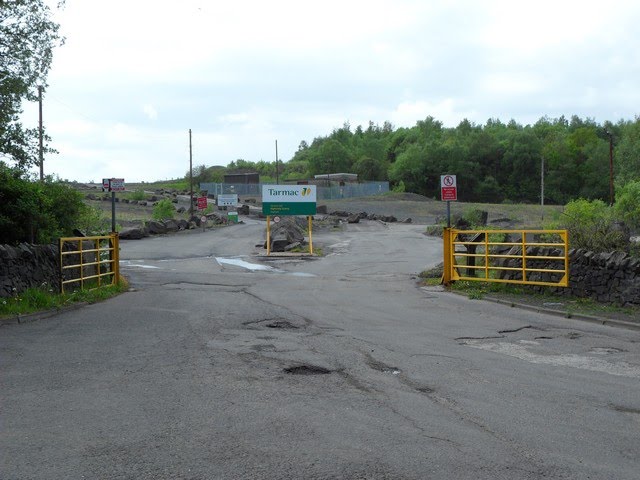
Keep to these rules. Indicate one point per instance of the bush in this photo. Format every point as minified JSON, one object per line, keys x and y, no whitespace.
{"x":399,"y":187}
{"x":163,"y":210}
{"x":36,"y":212}
{"x":138,"y":195}
{"x":592,"y":225}
{"x":475,"y":217}
{"x":627,"y":206}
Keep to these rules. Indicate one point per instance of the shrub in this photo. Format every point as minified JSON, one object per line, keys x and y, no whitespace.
{"x":475,"y":217}
{"x":36,"y":212}
{"x":138,"y":195}
{"x":399,"y":187}
{"x":163,"y":210}
{"x":592,"y":225}
{"x":627,"y":206}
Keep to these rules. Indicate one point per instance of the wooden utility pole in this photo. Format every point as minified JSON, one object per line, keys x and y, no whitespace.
{"x":190,"y":176}
{"x":542,"y":189}
{"x":40,"y":135}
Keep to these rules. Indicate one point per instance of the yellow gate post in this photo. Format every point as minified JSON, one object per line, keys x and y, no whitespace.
{"x":268,"y":235}
{"x":446,"y":274}
{"x":115,"y":243}
{"x":310,"y":234}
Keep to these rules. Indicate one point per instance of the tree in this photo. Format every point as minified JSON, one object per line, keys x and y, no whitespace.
{"x":627,"y":156}
{"x":27,"y":39}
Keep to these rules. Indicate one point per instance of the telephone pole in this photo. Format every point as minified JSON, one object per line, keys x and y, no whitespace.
{"x":190,"y":176}
{"x":40,"y":135}
{"x":611,"y":194}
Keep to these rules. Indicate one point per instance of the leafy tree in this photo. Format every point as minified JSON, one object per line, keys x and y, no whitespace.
{"x":27,"y":39}
{"x":627,"y":156}
{"x":627,"y":204}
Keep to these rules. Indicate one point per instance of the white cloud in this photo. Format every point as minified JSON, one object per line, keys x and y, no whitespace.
{"x":150,"y":112}
{"x":133,"y":77}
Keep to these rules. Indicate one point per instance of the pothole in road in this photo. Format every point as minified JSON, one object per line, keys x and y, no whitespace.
{"x":273,"y":323}
{"x":607,"y":350}
{"x":307,"y":370}
{"x":283,"y":324}
{"x":381,"y":367}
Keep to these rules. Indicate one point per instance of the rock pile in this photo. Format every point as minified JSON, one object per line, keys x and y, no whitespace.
{"x":161,"y":227}
{"x":288,"y":234}
{"x":356,"y":217}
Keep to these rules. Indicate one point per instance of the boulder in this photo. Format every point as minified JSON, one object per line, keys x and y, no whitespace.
{"x":292,"y":246}
{"x":154,"y":227}
{"x":353,"y":218}
{"x":279,"y":245}
{"x":171,"y":225}
{"x":182,"y":224}
{"x":132,"y":233}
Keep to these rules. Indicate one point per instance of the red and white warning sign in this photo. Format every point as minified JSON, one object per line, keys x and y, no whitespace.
{"x":448,"y":188}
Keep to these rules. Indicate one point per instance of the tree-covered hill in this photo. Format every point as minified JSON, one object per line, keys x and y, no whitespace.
{"x":495,"y":162}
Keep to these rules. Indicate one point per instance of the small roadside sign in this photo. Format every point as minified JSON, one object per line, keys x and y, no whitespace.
{"x":105,"y":184}
{"x":116,"y":184}
{"x":227,"y":199}
{"x":448,"y":188}
{"x":202,"y":203}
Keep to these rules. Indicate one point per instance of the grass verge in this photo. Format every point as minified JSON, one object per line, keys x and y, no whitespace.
{"x":43,"y":298}
{"x":521,"y":294}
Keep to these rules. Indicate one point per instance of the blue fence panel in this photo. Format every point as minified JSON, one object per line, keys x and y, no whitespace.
{"x":333,"y":192}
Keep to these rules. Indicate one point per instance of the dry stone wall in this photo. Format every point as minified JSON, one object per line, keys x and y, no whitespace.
{"x":27,"y":266}
{"x":605,"y":277}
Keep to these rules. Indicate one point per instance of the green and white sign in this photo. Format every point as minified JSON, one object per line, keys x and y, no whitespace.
{"x":288,"y":199}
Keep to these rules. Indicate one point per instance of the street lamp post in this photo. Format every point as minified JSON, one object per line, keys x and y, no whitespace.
{"x":610,"y":135}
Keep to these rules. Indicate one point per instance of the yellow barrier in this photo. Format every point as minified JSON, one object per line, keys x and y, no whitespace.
{"x":92,"y":259}
{"x":529,"y":257}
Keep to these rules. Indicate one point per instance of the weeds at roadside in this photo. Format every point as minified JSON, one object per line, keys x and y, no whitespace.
{"x":43,"y":298}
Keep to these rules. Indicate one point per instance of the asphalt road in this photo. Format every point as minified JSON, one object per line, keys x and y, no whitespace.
{"x":221,"y":365}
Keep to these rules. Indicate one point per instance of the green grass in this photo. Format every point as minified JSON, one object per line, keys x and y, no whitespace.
{"x":522,"y":294}
{"x":44,"y":298}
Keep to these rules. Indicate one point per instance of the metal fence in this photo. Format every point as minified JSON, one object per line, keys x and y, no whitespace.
{"x":89,"y":261}
{"x":324,"y":192}
{"x":529,"y":257}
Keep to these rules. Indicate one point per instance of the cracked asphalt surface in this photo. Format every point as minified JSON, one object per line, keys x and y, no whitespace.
{"x":338,"y":367}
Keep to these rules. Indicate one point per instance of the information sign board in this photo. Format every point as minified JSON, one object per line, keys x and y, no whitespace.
{"x":288,"y":199}
{"x":228,"y":200}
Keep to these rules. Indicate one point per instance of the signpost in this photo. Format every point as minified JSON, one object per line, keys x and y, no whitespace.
{"x":448,"y":193}
{"x":281,"y":200}
{"x":228,"y":200}
{"x":113,"y":185}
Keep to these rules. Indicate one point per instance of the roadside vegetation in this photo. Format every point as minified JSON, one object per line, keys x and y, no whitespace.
{"x":45,"y":298}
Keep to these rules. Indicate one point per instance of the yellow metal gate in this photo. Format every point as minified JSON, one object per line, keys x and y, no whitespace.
{"x":89,"y":261}
{"x":530,"y":257}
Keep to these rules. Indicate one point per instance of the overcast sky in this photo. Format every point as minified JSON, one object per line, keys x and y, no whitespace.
{"x":135,"y":75}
